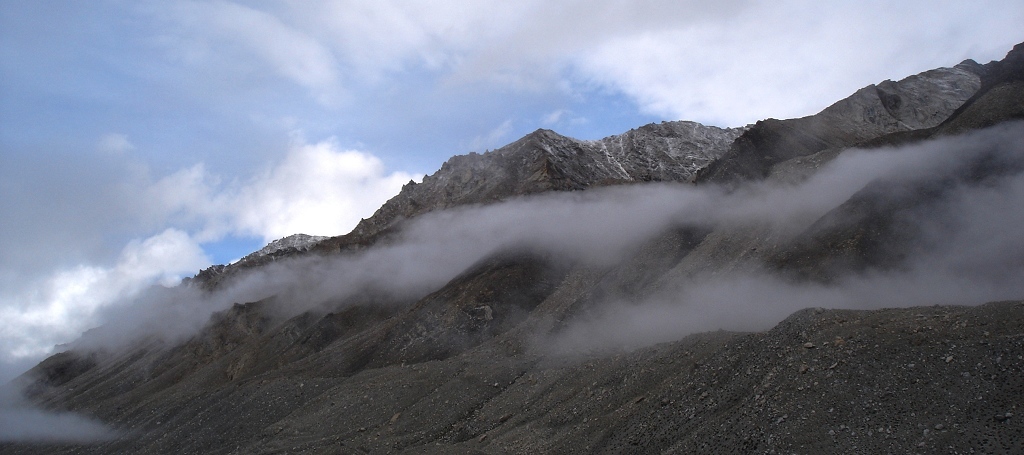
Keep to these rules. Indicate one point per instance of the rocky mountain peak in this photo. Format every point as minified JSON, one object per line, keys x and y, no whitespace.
{"x":547,"y":161}
{"x":298,"y":242}
{"x":916,"y":102}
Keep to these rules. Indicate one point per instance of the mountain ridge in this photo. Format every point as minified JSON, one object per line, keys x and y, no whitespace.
{"x":916,"y":102}
{"x":503,"y":358}
{"x":545,"y":158}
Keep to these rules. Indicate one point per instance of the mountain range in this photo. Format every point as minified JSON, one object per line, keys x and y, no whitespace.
{"x":846,"y":282}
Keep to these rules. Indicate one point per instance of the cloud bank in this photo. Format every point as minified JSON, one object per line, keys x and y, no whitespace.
{"x":977,"y":259}
{"x":969,"y":250}
{"x":21,"y":422}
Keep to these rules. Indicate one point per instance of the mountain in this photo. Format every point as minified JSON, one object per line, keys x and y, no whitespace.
{"x":542,"y":161}
{"x":566,"y":296}
{"x":546,"y":161}
{"x":916,"y":102}
{"x":297,"y":242}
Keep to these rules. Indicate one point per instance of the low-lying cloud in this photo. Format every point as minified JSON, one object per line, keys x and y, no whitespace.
{"x":60,"y":269}
{"x":63,"y":305}
{"x":971,"y":253}
{"x":22,"y":422}
{"x":978,"y":258}
{"x":33,"y":425}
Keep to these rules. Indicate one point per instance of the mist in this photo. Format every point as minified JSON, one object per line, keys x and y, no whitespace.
{"x":20,"y":421}
{"x":976,"y":253}
{"x":970,"y":252}
{"x":970,"y":249}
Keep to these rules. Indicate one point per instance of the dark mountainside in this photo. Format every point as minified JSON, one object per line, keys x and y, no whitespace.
{"x":528,"y":350}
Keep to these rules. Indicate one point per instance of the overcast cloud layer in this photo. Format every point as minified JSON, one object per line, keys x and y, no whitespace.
{"x":140,"y":141}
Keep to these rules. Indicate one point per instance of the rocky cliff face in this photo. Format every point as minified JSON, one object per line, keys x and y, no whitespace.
{"x":916,"y":102}
{"x":539,"y":162}
{"x":295,"y":243}
{"x":491,"y":360}
{"x":547,"y":161}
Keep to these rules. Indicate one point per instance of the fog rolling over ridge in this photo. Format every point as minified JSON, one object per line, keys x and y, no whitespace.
{"x":962,"y":197}
{"x":967,"y":250}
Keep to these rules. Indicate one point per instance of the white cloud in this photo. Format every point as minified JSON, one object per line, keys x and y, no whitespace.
{"x":64,"y":304}
{"x":554,"y":117}
{"x":114,"y":144}
{"x":288,"y":50}
{"x":793,"y":58}
{"x":560,"y":117}
{"x":496,"y":137}
{"x":316,"y":189}
{"x":730,"y":63}
{"x":163,"y":257}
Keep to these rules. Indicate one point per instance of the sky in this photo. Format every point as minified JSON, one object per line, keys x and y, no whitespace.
{"x":141,"y":141}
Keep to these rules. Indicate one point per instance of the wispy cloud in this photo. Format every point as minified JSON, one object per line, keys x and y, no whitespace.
{"x":553,"y":117}
{"x":601,"y":228}
{"x":115,"y":144}
{"x":968,"y":251}
{"x":285,"y":49}
{"x":64,"y":305}
{"x":494,"y":138}
{"x":727,"y":64}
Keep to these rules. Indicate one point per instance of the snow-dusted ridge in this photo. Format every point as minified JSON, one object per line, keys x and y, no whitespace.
{"x":299,"y":242}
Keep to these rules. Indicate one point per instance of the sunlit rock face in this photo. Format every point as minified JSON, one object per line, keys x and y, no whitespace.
{"x":547,"y":161}
{"x":291,"y":243}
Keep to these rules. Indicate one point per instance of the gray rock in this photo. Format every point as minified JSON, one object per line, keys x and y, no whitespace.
{"x":547,"y":161}
{"x":917,"y":102}
{"x":297,"y":242}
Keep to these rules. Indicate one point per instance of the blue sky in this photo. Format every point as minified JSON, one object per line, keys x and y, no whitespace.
{"x":143,"y":140}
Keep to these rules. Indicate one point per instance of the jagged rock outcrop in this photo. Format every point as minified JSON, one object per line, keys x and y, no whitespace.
{"x":916,"y":102}
{"x":297,"y":242}
{"x":285,"y":247}
{"x":1001,"y":97}
{"x":547,"y":161}
{"x":885,"y":231}
{"x":539,"y":162}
